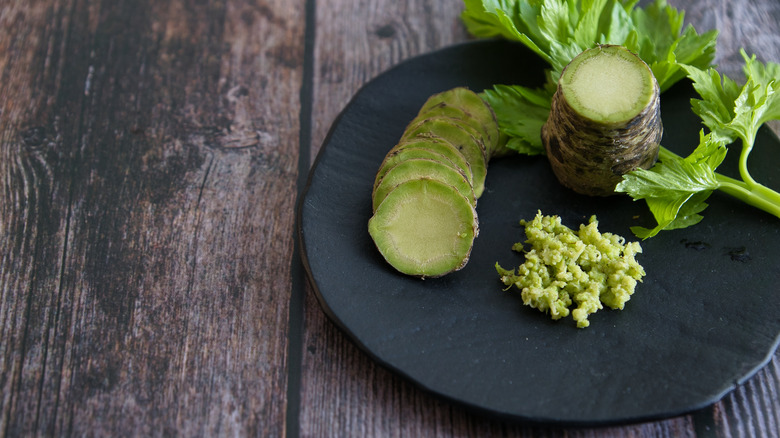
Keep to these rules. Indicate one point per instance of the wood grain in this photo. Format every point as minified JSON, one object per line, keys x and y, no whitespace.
{"x":148,"y":189}
{"x":358,"y":40}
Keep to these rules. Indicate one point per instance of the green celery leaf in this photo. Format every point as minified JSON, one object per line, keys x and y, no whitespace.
{"x":673,"y":213}
{"x":732,"y":111}
{"x":664,"y":45}
{"x":488,"y":19}
{"x":587,"y":30}
{"x":711,"y":151}
{"x":716,"y":106}
{"x":615,"y":24}
{"x":497,"y":18}
{"x":675,"y":188}
{"x":560,"y":56}
{"x":761,"y":103}
{"x":658,"y":27}
{"x":555,"y":20}
{"x":696,"y":49}
{"x":534,"y":104}
{"x":669,"y":178}
{"x":527,"y":22}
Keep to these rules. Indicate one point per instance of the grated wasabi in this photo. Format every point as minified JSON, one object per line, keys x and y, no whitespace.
{"x":586,"y":269}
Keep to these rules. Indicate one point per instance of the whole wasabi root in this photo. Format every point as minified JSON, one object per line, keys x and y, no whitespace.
{"x":564,"y":268}
{"x":604,"y":120}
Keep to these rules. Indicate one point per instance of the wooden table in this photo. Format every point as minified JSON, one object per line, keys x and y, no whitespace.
{"x":151,"y":154}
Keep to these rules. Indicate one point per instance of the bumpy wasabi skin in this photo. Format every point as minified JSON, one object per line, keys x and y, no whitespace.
{"x":564,"y":268}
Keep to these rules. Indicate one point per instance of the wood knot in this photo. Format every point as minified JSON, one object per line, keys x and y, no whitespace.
{"x":34,"y":138}
{"x":237,"y":92}
{"x":386,"y":31}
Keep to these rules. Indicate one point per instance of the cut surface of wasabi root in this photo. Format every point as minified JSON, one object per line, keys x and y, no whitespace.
{"x":424,"y":228}
{"x":604,"y":120}
{"x":607,"y":85}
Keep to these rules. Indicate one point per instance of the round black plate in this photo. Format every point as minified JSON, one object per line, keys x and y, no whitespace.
{"x":705,"y":319}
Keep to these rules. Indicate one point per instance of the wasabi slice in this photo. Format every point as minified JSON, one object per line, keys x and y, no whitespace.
{"x":466,"y":106}
{"x":400,"y":155}
{"x":472,"y":148}
{"x":422,"y":168}
{"x":433,"y":145}
{"x":424,"y":228}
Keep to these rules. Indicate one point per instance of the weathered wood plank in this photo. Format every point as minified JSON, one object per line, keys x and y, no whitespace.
{"x":35,"y":203}
{"x":357,"y":40}
{"x":343,"y":389}
{"x":148,"y":184}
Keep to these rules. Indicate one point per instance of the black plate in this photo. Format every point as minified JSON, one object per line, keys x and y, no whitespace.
{"x":705,"y":319}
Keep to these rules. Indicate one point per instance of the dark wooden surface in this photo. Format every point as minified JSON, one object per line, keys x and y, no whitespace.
{"x":151,"y":154}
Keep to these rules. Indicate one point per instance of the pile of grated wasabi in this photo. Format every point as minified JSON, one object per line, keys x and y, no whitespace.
{"x":563,"y":268}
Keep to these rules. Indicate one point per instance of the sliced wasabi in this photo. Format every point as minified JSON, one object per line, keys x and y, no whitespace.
{"x":442,"y":146}
{"x":425,"y":228}
{"x":399,"y":155}
{"x":422,"y":168}
{"x":426,"y":189}
{"x":467,"y":106}
{"x":458,"y":134}
{"x":431,"y":148}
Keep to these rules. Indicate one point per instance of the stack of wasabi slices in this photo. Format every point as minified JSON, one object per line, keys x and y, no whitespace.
{"x":425,"y":192}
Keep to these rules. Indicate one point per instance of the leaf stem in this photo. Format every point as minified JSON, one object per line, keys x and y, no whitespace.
{"x":747,"y":146}
{"x":749,"y":191}
{"x":666,"y":154}
{"x":756,"y":194}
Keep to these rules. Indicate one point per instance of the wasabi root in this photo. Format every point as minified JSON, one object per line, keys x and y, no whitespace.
{"x":604,"y":120}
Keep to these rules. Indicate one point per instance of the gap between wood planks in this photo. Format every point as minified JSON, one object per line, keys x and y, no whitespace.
{"x":298,"y":292}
